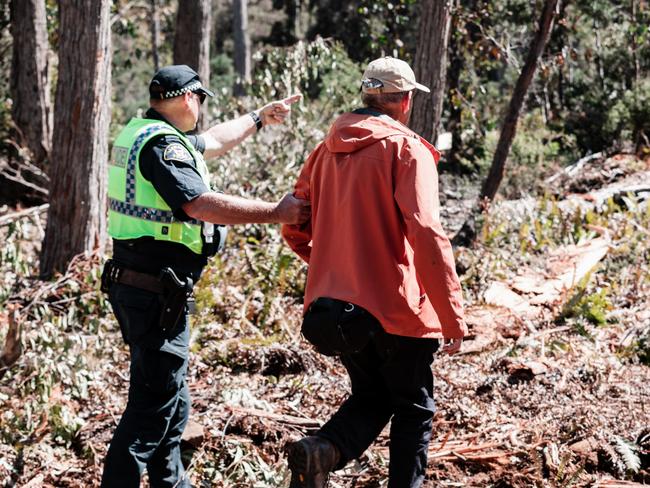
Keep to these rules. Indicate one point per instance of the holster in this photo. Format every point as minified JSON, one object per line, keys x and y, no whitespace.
{"x":177,"y":294}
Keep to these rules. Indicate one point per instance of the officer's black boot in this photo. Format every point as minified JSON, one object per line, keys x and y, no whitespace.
{"x":310,"y":460}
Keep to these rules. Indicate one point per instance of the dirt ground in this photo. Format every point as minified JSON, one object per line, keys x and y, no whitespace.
{"x":529,"y":403}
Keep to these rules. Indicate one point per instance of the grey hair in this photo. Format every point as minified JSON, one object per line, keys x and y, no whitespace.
{"x":382,"y":100}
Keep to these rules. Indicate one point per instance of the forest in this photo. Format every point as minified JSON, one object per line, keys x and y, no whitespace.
{"x":541,"y":112}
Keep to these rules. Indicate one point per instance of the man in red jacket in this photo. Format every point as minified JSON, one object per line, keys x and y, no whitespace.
{"x":374,"y":243}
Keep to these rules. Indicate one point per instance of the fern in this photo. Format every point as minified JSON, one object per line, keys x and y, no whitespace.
{"x":628,"y":453}
{"x":614,"y":457}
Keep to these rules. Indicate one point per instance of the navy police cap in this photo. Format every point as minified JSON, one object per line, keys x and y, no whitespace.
{"x":173,"y":81}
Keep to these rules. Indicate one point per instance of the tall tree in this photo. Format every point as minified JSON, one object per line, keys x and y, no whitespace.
{"x":633,"y":43}
{"x":456,"y":66}
{"x":155,"y":33}
{"x":30,"y":87}
{"x":192,"y":39}
{"x":242,"y":46}
{"x":509,"y":128}
{"x":76,"y":220}
{"x":431,"y":67}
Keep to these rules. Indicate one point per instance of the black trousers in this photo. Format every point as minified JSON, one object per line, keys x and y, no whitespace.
{"x":149,"y":433}
{"x":391,"y":380}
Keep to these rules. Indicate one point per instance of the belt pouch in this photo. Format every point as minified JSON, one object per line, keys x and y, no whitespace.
{"x":336,"y":327}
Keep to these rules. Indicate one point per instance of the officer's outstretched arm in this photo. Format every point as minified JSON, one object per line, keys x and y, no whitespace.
{"x":228,"y":209}
{"x":221,"y":138}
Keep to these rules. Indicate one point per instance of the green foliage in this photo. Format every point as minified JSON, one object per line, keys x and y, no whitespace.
{"x":63,"y":323}
{"x":237,"y":463}
{"x":583,"y":92}
{"x":590,"y":306}
{"x":64,"y":424}
{"x":641,"y":348}
{"x":629,"y":117}
{"x":536,"y":151}
{"x":222,"y":74}
{"x":368,"y":28}
{"x":321,"y":70}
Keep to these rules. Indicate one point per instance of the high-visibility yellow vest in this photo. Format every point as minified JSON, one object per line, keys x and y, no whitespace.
{"x":135,"y":207}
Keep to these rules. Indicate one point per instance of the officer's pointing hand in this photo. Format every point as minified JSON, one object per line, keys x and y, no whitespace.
{"x":276,"y":112}
{"x":292,"y":210}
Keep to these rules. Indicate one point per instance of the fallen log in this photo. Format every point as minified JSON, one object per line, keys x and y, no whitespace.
{"x":617,"y":484}
{"x":12,"y":217}
{"x":530,"y":290}
{"x":496,"y":457}
{"x":285,"y":419}
{"x":462,"y":449}
{"x":576,"y":167}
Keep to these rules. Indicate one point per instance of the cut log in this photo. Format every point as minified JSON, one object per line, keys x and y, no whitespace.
{"x":531,"y":291}
{"x":285,"y":419}
{"x":618,"y":484}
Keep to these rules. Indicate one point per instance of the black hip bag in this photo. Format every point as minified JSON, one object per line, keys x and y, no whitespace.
{"x":336,"y":327}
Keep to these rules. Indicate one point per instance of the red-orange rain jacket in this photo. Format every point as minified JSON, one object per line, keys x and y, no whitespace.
{"x":374,"y":238}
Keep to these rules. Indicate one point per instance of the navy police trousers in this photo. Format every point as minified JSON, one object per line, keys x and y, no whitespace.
{"x":149,"y":433}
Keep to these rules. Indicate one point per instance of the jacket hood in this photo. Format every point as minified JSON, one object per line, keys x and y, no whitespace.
{"x":352,"y":132}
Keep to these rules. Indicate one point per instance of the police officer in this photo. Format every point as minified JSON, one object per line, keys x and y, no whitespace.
{"x":165,"y":223}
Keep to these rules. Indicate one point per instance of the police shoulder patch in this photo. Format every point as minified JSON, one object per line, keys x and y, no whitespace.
{"x":177,"y":152}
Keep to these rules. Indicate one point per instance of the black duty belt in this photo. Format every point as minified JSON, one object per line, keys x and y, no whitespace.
{"x":114,"y":273}
{"x":177,"y":294}
{"x":143,"y":281}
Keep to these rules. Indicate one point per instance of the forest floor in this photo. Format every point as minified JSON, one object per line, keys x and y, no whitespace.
{"x":542,"y":396}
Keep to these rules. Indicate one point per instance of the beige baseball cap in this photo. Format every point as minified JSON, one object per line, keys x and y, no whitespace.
{"x":389,"y":75}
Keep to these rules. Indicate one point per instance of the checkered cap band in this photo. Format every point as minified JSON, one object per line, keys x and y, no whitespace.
{"x":177,"y":93}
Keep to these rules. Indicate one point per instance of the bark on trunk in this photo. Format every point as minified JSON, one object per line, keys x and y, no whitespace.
{"x":431,"y":67}
{"x":76,"y":219}
{"x":456,"y":66}
{"x":634,"y":45}
{"x":599,"y":62}
{"x":30,"y":87}
{"x":242,"y":47}
{"x":155,"y":34}
{"x":192,"y":40}
{"x":509,"y":128}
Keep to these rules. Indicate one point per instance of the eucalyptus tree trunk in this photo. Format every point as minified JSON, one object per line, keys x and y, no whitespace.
{"x":192,"y":40}
{"x":30,"y":86}
{"x":455,"y":69}
{"x":509,"y":128}
{"x":155,"y":33}
{"x":76,"y":219}
{"x":431,"y":67}
{"x":242,"y":47}
{"x":634,"y":45}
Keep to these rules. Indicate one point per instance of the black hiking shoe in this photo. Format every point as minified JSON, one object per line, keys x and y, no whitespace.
{"x":310,"y":460}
